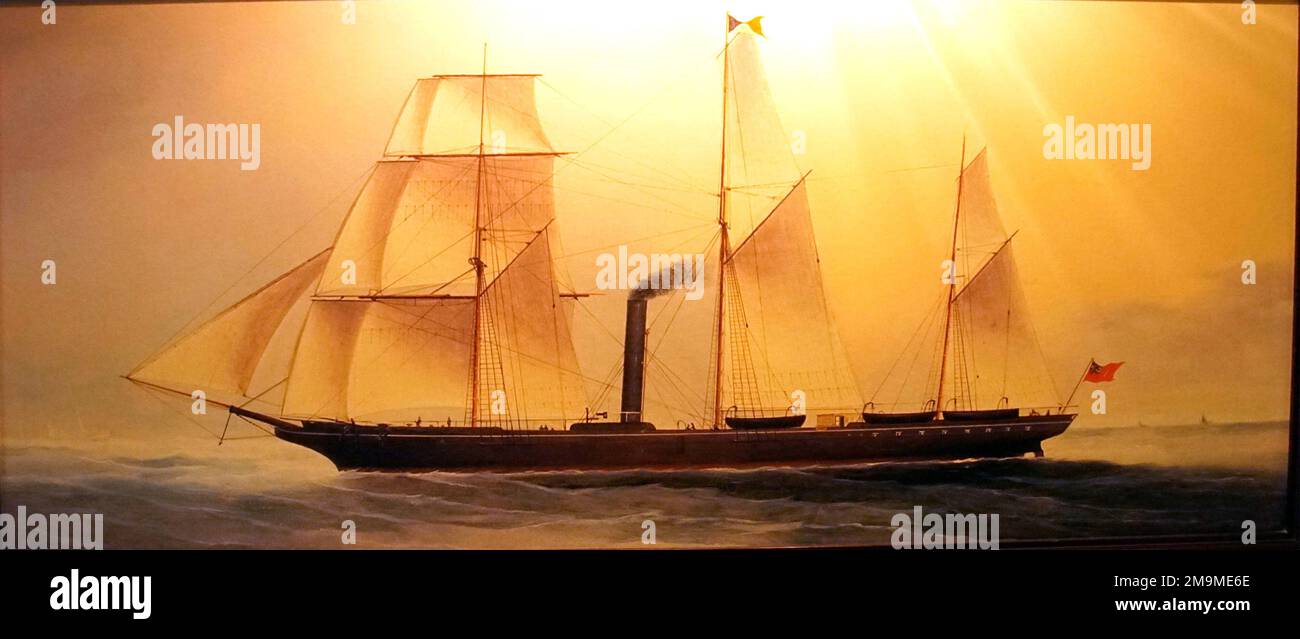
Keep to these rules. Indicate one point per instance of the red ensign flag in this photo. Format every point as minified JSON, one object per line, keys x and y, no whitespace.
{"x":1098,"y":373}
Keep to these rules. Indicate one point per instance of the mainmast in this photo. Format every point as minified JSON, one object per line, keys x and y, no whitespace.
{"x":952,"y":285}
{"x":724,"y":248}
{"x":478,"y":254}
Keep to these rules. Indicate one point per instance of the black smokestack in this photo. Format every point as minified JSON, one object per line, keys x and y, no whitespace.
{"x":634,"y":359}
{"x":634,"y":339}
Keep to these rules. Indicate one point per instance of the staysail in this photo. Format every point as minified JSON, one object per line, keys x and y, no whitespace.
{"x":223,"y":354}
{"x":530,"y":326}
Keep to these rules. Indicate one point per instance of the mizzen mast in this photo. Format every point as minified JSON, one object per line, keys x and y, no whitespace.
{"x":475,"y":350}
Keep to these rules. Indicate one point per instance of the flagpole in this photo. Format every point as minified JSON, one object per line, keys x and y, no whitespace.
{"x":1078,"y":384}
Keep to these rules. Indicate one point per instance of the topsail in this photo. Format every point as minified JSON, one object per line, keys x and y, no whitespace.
{"x":452,"y":114}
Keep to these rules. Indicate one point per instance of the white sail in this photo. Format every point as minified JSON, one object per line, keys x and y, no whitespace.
{"x":794,"y":342}
{"x":411,"y":231}
{"x":980,"y":233}
{"x":539,"y":373}
{"x":393,"y":360}
{"x":447,"y":115}
{"x":222,"y":354}
{"x":518,"y":203}
{"x":760,"y":163}
{"x":996,"y":352}
{"x":318,"y":379}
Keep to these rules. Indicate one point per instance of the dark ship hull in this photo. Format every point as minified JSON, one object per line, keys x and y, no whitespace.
{"x":899,"y":418}
{"x":760,"y":423}
{"x":357,"y":447}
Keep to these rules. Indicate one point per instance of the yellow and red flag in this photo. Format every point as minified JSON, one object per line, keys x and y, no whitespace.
{"x":755,"y":25}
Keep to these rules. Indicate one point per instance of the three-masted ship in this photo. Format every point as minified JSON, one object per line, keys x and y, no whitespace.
{"x":437,"y":333}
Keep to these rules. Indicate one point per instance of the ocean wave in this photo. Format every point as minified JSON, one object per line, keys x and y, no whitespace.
{"x":233,"y":498}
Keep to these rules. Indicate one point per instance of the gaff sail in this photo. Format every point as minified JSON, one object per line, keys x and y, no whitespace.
{"x":994,"y":352}
{"x":778,"y":277}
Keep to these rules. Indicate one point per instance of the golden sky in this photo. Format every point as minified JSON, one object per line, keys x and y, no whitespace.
{"x":1140,"y":266}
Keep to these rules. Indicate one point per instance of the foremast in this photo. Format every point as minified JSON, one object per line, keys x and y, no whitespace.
{"x":443,"y":265}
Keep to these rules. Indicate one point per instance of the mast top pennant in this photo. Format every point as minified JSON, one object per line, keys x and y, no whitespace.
{"x":755,"y":25}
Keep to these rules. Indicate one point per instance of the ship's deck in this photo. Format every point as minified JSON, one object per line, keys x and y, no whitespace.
{"x":941,"y":427}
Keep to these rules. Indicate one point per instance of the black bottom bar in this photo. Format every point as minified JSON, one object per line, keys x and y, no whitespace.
{"x":395,"y":589}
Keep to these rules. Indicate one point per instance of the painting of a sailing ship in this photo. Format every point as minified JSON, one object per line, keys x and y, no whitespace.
{"x":853,"y":275}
